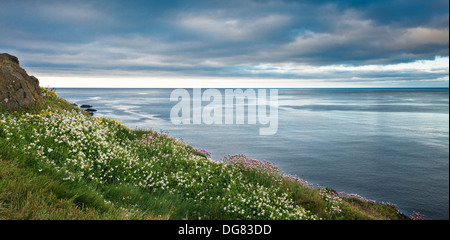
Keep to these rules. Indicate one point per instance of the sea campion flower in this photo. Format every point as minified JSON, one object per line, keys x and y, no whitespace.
{"x":332,"y":198}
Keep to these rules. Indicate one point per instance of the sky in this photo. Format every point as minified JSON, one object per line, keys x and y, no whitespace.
{"x":232,"y":43}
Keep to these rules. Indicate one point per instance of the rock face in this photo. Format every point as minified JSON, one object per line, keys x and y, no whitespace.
{"x":17,"y":88}
{"x":7,"y":57}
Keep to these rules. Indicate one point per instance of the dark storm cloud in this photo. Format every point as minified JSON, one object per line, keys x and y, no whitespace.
{"x":221,"y":38}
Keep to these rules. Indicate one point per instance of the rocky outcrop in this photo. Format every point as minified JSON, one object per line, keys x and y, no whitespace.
{"x":8,"y":57}
{"x":17,"y":88}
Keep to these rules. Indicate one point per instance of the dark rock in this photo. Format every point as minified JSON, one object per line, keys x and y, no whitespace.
{"x":17,"y":88}
{"x":90,"y":110}
{"x":85,"y":106}
{"x":8,"y":57}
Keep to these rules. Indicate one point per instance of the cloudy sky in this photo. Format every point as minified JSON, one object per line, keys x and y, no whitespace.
{"x":232,"y":43}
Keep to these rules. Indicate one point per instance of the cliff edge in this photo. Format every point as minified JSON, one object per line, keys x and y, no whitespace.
{"x":17,"y":88}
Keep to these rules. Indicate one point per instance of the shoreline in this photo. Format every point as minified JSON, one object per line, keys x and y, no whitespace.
{"x":221,"y":155}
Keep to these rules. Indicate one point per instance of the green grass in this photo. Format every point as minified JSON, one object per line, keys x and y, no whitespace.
{"x":57,"y":162}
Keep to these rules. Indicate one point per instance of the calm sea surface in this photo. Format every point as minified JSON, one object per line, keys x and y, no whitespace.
{"x":388,"y":145}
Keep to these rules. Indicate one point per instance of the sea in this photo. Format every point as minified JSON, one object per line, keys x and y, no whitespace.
{"x":387,"y":145}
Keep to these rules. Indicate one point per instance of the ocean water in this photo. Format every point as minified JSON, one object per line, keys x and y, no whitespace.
{"x":388,"y":145}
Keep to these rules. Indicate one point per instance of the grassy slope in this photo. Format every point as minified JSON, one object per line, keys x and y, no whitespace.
{"x":56,"y":162}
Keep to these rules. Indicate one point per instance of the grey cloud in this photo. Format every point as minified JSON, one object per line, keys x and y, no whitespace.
{"x":220,"y":38}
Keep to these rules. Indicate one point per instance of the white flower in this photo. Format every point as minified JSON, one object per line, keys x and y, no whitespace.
{"x":50,"y":150}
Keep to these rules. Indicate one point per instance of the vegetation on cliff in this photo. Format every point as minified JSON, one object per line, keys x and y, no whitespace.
{"x":57,"y":162}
